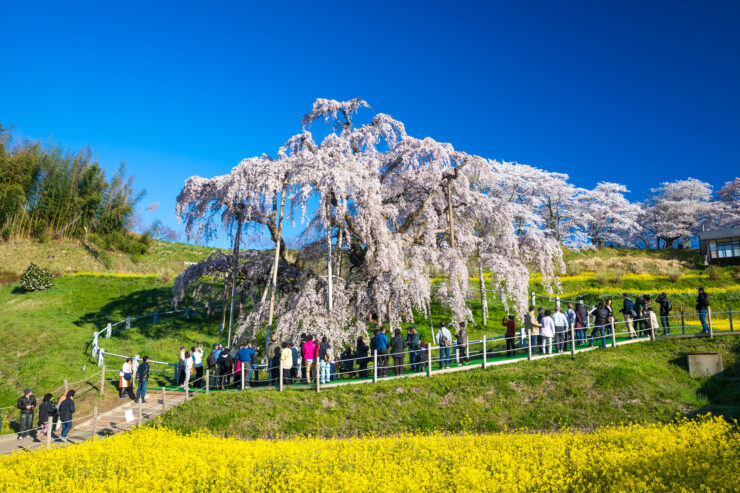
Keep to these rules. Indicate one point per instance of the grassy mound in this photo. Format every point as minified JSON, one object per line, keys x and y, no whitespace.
{"x":646,"y":382}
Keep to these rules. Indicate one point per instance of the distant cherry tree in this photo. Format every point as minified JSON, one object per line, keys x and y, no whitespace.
{"x":729,"y":200}
{"x":677,"y":210}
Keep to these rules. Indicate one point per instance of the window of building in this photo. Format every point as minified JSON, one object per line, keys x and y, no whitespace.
{"x":725,"y":248}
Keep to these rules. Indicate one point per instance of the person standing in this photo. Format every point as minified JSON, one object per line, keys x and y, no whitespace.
{"x":412,"y":342}
{"x":225,"y":367}
{"x":580,"y":324}
{"x":212,"y":362}
{"x":510,"y":335}
{"x":347,"y":362}
{"x":444,"y":340}
{"x":628,"y":310}
{"x":66,"y":410}
{"x":309,"y":350}
{"x":361,"y":353}
{"x":665,"y":312}
{"x":547,"y":332}
{"x":295,"y":371}
{"x":286,"y":359}
{"x":381,"y":345}
{"x":124,"y":378}
{"x":652,"y":320}
{"x":246,"y":355}
{"x":397,"y":345}
{"x":179,"y":376}
{"x":326,"y":356}
{"x":601,"y":319}
{"x":561,"y":327}
{"x":198,"y":364}
{"x":142,"y":376}
{"x":462,"y":342}
{"x":187,"y":369}
{"x":702,"y":307}
{"x":46,"y":410}
{"x":533,"y":329}
{"x":26,"y":403}
{"x":273,"y":358}
{"x":608,"y":306}
{"x":570,"y":314}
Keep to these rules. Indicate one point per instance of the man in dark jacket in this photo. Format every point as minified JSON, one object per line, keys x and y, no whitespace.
{"x":397,"y":344}
{"x":66,"y":410}
{"x":225,"y":366}
{"x":628,"y":310}
{"x":601,"y":320}
{"x":412,"y":343}
{"x":462,"y":343}
{"x":142,"y":376}
{"x":381,"y":346}
{"x":26,"y":404}
{"x":665,"y":311}
{"x":273,"y":359}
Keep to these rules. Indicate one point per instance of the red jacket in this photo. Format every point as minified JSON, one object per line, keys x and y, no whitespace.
{"x":510,"y":327}
{"x":310,"y":350}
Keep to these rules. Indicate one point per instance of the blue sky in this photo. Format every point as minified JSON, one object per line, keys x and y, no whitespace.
{"x":634,"y":92}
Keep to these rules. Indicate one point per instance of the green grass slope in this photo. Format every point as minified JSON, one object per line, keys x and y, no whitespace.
{"x":637,"y":382}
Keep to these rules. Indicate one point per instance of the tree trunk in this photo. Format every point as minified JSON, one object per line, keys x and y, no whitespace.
{"x":339,"y":251}
{"x":483,"y":300}
{"x":328,"y":268}
{"x":449,"y":214}
{"x":237,"y":241}
{"x":225,"y":302}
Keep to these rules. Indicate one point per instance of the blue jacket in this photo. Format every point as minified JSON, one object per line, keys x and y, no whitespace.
{"x":245,"y":354}
{"x":381,"y":342}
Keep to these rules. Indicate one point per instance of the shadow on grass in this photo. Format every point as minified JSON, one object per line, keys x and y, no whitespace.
{"x":722,"y":390}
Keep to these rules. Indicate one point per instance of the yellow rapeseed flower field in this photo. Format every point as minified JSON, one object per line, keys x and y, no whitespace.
{"x":685,"y":456}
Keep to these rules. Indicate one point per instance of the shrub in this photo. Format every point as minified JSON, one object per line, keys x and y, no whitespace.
{"x":714,"y":272}
{"x":602,"y":278}
{"x":35,"y":278}
{"x":735,"y":273}
{"x":674,"y":275}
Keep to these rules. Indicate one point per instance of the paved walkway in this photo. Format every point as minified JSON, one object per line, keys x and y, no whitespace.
{"x":108,"y":423}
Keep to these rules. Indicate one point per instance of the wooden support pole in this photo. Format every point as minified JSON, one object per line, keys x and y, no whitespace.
{"x":683,"y":324}
{"x":614,"y":335}
{"x":102,"y":380}
{"x":318,"y":375}
{"x":730,"y":309}
{"x":49,"y":429}
{"x":164,"y":406}
{"x":242,"y":380}
{"x":95,"y":421}
{"x":529,"y":345}
{"x":208,"y":381}
{"x":375,"y":365}
{"x":280,"y":377}
{"x":573,"y":338}
{"x":709,"y":316}
{"x":485,"y":351}
{"x":429,"y":360}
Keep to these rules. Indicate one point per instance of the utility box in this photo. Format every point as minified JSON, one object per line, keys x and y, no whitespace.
{"x":705,"y":364}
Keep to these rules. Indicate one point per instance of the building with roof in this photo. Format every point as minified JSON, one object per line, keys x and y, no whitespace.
{"x":720,"y":246}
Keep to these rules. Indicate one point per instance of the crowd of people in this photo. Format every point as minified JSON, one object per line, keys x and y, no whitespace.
{"x":60,"y":413}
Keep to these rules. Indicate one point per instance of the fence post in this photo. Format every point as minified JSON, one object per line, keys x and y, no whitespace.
{"x":375,"y":365}
{"x":457,"y":354}
{"x":95,"y":421}
{"x":128,"y":322}
{"x":730,"y":309}
{"x":141,"y":415}
{"x":155,"y":317}
{"x":318,"y":376}
{"x":557,"y":301}
{"x":484,"y":351}
{"x":709,"y":315}
{"x":429,"y":360}
{"x":614,"y":335}
{"x":573,"y":338}
{"x":108,"y":330}
{"x":683,"y":324}
{"x":280,"y":377}
{"x":529,"y":345}
{"x":66,"y":387}
{"x":242,"y":380}
{"x":102,"y":380}
{"x":208,"y":381}
{"x":49,"y":429}
{"x":533,"y":300}
{"x":163,"y":403}
{"x":187,"y":314}
{"x":467,"y":350}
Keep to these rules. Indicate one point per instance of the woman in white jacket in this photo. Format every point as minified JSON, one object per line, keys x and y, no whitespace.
{"x":124,"y":377}
{"x":547,"y":332}
{"x":187,"y":368}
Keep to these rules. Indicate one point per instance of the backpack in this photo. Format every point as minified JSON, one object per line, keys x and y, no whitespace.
{"x":668,"y":305}
{"x":443,"y":341}
{"x":211,"y":360}
{"x":373,"y":345}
